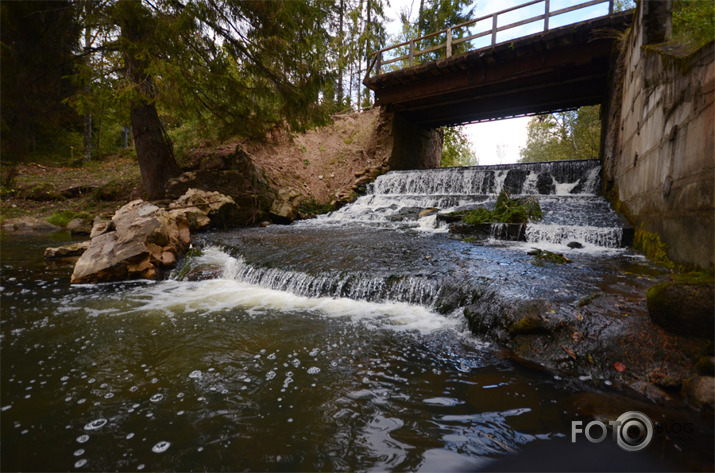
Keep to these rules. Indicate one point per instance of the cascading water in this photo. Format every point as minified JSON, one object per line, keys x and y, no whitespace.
{"x":568,"y":192}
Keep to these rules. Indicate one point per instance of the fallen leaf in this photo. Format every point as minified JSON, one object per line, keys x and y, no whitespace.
{"x":620,"y":367}
{"x":569,"y":352}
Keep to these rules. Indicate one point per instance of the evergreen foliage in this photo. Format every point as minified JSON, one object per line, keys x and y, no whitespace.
{"x":506,"y":210}
{"x":694,"y":21}
{"x":574,"y":134}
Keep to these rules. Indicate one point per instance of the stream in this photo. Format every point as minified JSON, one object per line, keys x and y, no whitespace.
{"x":315,"y":346}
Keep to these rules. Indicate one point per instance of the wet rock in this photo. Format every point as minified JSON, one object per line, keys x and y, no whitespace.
{"x":28,"y":225}
{"x":514,"y":181}
{"x":204,"y":209}
{"x":144,"y":240}
{"x":484,"y":231}
{"x":78,"y":226}
{"x":545,"y":184}
{"x":530,"y":323}
{"x":683,"y":308}
{"x":700,"y":392}
{"x":73,"y":250}
{"x":574,"y":245}
{"x":651,"y":392}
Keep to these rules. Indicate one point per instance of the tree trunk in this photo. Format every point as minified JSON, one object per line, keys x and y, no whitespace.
{"x":153,"y":147}
{"x":154,"y":150}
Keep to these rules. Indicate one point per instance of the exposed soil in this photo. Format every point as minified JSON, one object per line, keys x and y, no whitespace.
{"x":321,"y":164}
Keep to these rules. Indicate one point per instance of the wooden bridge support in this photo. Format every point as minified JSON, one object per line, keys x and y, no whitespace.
{"x":413,"y":146}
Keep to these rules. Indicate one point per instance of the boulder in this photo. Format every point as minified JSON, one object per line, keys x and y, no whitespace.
{"x":73,"y":250}
{"x":140,"y":241}
{"x":700,"y":392}
{"x":285,"y":207}
{"x":236,"y":177}
{"x":28,"y":225}
{"x":427,"y":212}
{"x":204,"y":209}
{"x":78,"y":226}
{"x":683,"y":308}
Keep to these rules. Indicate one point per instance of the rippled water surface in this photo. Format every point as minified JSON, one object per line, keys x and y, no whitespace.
{"x":222,"y":375}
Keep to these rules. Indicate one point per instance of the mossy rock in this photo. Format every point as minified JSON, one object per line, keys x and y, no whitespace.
{"x":529,"y":324}
{"x":683,"y":307}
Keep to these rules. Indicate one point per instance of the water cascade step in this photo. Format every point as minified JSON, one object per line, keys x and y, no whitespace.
{"x":568,"y":192}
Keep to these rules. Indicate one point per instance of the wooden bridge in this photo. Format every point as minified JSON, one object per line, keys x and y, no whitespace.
{"x":556,"y":69}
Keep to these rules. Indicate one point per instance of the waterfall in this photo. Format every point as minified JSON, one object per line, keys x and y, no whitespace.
{"x":568,"y":192}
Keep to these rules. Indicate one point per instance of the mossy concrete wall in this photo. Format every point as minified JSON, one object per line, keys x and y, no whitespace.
{"x":658,"y":147}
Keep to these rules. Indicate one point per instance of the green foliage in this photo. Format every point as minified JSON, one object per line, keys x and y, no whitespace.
{"x":457,"y":150}
{"x":63,"y":217}
{"x":694,"y":21}
{"x":574,"y":134}
{"x":506,"y":210}
{"x":652,"y":246}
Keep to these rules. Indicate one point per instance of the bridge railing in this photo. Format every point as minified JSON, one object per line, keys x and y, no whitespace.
{"x":454,"y":41}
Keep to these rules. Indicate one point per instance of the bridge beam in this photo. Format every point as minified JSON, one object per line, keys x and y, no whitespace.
{"x":558,"y":69}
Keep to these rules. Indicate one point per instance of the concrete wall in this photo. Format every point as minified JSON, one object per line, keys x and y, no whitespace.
{"x":658,"y":147}
{"x":411,"y":146}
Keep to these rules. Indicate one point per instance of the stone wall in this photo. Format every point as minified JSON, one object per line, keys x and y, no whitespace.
{"x":658,"y":147}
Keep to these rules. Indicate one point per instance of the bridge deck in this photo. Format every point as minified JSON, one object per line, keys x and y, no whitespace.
{"x":559,"y":69}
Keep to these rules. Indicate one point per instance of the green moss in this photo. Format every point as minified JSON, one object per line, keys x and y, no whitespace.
{"x":193,"y":253}
{"x":528,"y":324}
{"x":543,"y":256}
{"x":652,"y":246}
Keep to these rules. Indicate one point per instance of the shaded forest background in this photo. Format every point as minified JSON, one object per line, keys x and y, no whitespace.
{"x":85,"y":79}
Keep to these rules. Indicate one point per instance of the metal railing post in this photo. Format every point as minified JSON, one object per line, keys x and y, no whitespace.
{"x":412,"y":52}
{"x":494,"y":29}
{"x":546,"y":15}
{"x":449,"y":42}
{"x":610,"y":7}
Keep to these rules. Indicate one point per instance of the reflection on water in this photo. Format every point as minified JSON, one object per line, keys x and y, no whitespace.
{"x":223,"y":375}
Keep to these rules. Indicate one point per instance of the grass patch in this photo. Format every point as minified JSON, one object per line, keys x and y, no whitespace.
{"x":63,"y":217}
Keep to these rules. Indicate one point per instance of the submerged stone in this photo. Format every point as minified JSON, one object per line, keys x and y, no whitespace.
{"x":683,"y":308}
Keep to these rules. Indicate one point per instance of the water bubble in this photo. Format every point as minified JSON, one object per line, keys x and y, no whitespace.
{"x":270,"y":375}
{"x":134,"y":388}
{"x":196,"y":374}
{"x":79,"y":453}
{"x":154,"y":380}
{"x":156,"y":397}
{"x":313,"y":370}
{"x":161,"y":447}
{"x":5,"y":408}
{"x":96,"y":424}
{"x":80,"y":463}
{"x":130,"y":435}
{"x":272,"y":356}
{"x":83,"y":438}
{"x":295,"y":362}
{"x":108,"y":395}
{"x":314,"y":352}
{"x":140,"y":466}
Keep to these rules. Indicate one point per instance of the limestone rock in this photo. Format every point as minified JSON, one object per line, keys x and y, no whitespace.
{"x":700,"y":392}
{"x":285,"y":207}
{"x":77,"y":226}
{"x":203,"y":209}
{"x":683,"y":308}
{"x":134,"y":246}
{"x":28,"y":225}
{"x":73,"y":250}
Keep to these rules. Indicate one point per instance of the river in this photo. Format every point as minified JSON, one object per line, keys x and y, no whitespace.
{"x":311,"y":347}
